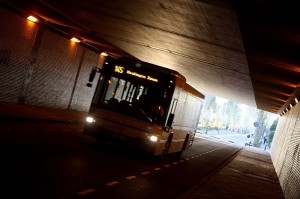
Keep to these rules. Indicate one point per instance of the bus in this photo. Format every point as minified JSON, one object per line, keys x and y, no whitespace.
{"x":144,"y":105}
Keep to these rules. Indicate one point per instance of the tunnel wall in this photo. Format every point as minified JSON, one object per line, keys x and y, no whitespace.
{"x":40,"y":67}
{"x":285,"y":152}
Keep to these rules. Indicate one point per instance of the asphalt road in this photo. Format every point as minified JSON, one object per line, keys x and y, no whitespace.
{"x":55,"y":161}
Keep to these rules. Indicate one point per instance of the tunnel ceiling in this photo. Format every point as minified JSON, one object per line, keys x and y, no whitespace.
{"x":243,"y":50}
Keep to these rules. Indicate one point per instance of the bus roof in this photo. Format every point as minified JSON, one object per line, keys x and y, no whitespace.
{"x":193,"y":91}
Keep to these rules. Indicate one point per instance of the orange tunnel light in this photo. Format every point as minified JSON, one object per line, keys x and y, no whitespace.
{"x":74,"y":39}
{"x":32,"y":19}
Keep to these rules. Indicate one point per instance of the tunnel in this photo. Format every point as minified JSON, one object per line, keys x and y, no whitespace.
{"x":46,"y":63}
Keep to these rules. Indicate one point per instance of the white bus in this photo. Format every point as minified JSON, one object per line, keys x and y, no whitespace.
{"x":150,"y":107}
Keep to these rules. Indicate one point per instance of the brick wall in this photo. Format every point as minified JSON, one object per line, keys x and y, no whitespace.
{"x":285,"y":152}
{"x":58,"y":69}
{"x":83,"y":95}
{"x":16,"y":41}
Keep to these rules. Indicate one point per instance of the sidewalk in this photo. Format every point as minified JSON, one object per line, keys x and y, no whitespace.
{"x":249,"y":175}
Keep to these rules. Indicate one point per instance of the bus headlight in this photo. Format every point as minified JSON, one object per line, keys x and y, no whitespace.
{"x":153,"y":138}
{"x":90,"y":119}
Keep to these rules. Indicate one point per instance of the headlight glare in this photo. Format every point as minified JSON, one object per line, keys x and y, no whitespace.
{"x":153,"y":138}
{"x":90,"y":119}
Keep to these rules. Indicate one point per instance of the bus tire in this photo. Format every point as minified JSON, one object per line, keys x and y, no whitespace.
{"x":178,"y":154}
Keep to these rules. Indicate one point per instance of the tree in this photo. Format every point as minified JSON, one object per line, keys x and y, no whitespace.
{"x":274,"y":125}
{"x":260,"y":130}
{"x":212,"y":110}
{"x":233,"y":114}
{"x":213,"y":105}
{"x":272,"y":131}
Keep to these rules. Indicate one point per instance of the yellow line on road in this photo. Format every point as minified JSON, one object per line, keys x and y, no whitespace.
{"x":130,"y":177}
{"x":112,"y":183}
{"x":87,"y":191}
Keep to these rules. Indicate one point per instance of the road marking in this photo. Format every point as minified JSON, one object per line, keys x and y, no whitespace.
{"x":112,"y":183}
{"x":130,"y":177}
{"x":211,"y":139}
{"x":87,"y":191}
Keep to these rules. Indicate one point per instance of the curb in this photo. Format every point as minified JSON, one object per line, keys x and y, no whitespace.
{"x":37,"y":120}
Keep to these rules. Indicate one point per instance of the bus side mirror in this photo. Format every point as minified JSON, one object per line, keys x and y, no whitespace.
{"x":170,"y":119}
{"x":92,"y":76}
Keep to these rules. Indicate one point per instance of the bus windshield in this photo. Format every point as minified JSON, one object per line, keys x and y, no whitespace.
{"x":138,"y":99}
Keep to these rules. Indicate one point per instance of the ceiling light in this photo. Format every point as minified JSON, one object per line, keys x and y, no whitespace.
{"x":32,"y":19}
{"x":74,"y":39}
{"x":104,"y":54}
